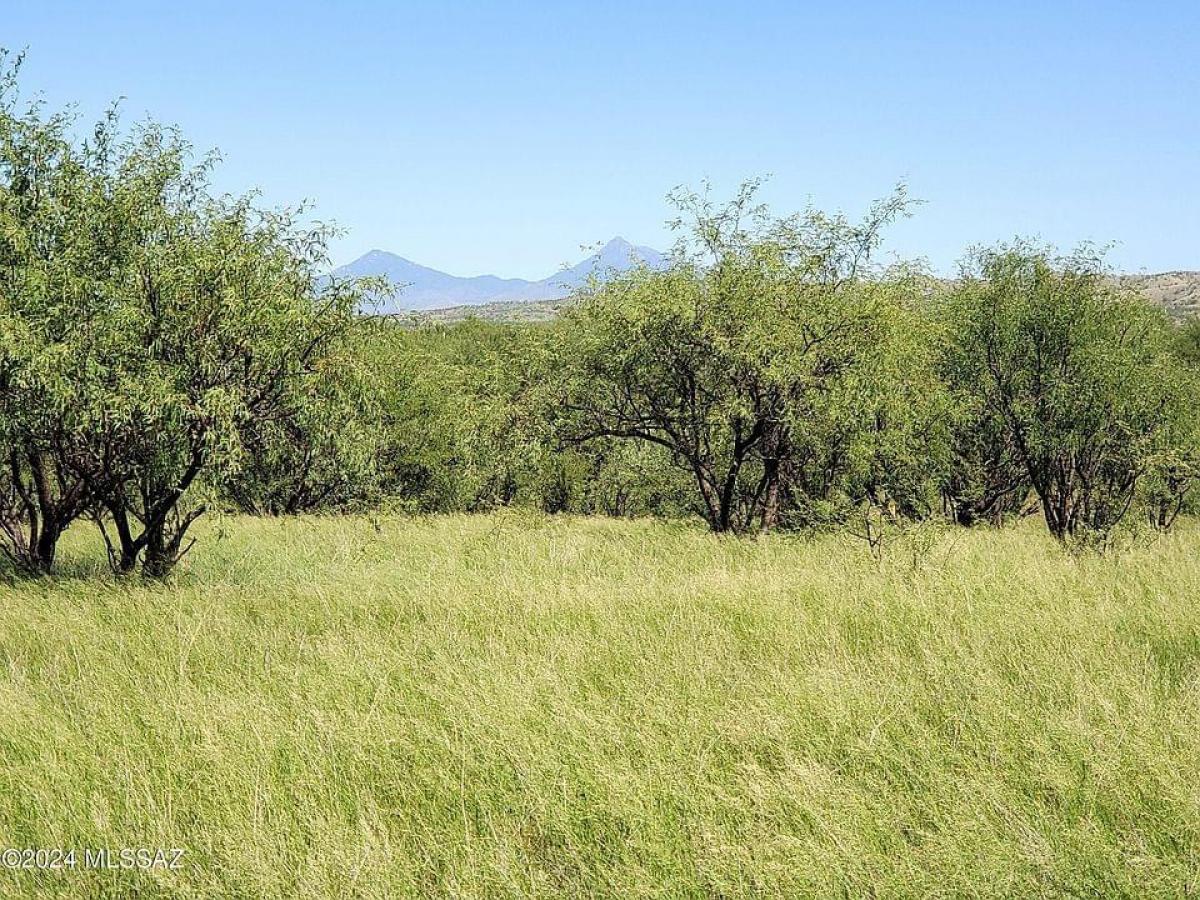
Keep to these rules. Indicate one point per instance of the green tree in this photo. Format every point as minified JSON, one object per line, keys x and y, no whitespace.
{"x":1175,"y":465}
{"x":144,"y":322}
{"x":733,"y":358}
{"x":222,"y":316}
{"x":328,"y":448}
{"x":1075,"y":372}
{"x":59,"y":242}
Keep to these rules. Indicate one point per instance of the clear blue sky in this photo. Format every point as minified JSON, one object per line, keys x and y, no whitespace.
{"x":499,"y":137}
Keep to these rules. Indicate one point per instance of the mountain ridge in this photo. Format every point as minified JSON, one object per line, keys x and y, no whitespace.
{"x":427,"y":290}
{"x":422,"y":288}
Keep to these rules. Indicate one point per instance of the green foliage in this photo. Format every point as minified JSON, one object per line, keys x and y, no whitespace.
{"x":441,"y":419}
{"x":56,"y":244}
{"x":145,"y":322}
{"x":1065,"y":375}
{"x":163,"y":349}
{"x":770,"y":362}
{"x":1174,"y":467}
{"x":320,"y":451}
{"x":1186,"y":344}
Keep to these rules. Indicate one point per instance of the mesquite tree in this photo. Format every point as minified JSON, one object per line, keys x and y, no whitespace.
{"x":144,"y":324}
{"x":58,"y":247}
{"x":746,"y":359}
{"x":1076,"y":373}
{"x":220,"y":318}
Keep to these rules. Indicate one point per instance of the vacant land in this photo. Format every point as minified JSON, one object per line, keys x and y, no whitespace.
{"x":521,"y":706}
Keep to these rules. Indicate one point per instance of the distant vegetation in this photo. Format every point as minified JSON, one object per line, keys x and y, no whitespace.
{"x":166,"y":351}
{"x":1178,"y":293}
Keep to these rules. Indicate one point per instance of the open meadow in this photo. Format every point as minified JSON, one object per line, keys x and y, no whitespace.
{"x":526,"y":705}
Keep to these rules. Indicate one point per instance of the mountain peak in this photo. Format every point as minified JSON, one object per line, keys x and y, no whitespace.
{"x":421,"y":287}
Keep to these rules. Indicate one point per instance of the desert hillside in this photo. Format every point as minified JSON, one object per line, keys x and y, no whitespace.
{"x":1179,"y":292}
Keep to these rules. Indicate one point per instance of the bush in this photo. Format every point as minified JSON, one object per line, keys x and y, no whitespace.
{"x":1064,"y":375}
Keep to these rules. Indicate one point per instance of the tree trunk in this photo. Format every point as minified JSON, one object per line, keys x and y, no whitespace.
{"x":775,"y":447}
{"x":160,"y":557}
{"x":771,"y":511}
{"x":123,"y":558}
{"x":45,"y":547}
{"x":35,"y":513}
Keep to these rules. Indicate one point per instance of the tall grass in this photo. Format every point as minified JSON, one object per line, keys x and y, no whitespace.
{"x":519,"y":706}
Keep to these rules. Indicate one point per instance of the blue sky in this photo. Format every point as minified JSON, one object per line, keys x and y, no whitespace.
{"x":500,"y":137}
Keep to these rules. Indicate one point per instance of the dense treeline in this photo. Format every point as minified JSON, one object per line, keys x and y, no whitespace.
{"x":164,"y":349}
{"x":774,"y":377}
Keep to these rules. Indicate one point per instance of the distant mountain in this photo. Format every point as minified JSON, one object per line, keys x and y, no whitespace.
{"x":423,"y":288}
{"x":617,"y":255}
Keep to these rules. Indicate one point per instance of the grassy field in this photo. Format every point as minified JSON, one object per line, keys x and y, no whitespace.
{"x":520,"y":706}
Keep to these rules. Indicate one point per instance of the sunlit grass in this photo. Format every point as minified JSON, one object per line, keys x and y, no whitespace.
{"x":513,"y":705}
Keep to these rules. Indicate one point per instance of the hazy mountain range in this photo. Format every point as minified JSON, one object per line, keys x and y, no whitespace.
{"x":453,"y":297}
{"x":423,"y":288}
